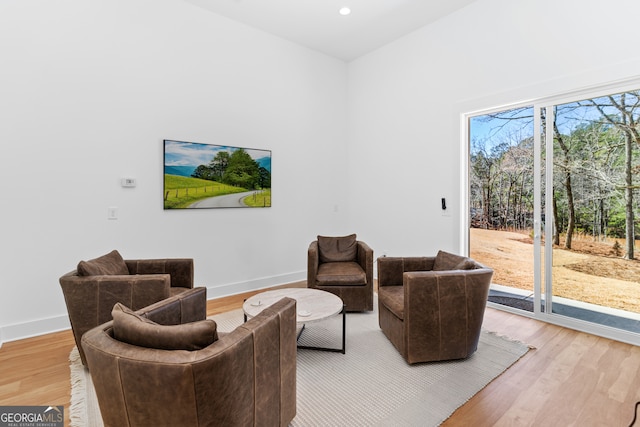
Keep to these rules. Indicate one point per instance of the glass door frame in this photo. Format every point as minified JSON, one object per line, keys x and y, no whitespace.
{"x":540,"y":276}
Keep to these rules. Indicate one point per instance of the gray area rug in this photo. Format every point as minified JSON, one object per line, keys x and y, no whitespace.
{"x":370,"y":385}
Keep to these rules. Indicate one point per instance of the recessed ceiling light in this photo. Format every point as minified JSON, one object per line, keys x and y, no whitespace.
{"x":345,"y":11}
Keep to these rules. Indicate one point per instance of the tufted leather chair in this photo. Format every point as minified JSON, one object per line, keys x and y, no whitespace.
{"x":431,"y":308}
{"x":246,"y":377}
{"x":344,"y":267}
{"x":91,"y":291}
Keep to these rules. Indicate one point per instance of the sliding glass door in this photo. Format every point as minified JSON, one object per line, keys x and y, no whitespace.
{"x":596,"y":144}
{"x":566,"y":255}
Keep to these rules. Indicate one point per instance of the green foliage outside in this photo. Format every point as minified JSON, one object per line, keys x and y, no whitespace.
{"x":260,"y":199}
{"x":181,"y":191}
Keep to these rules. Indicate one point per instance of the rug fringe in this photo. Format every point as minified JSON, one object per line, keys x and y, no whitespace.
{"x":78,"y":390}
{"x":505,"y":337}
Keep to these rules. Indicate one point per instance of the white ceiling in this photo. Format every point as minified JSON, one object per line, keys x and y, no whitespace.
{"x":318,"y":25}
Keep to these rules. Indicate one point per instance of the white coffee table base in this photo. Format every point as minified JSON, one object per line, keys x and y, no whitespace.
{"x":312,"y":305}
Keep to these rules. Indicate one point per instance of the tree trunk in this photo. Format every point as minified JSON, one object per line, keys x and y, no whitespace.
{"x":566,"y":163}
{"x":556,"y":222}
{"x":571,"y":223}
{"x":487,"y":207}
{"x":628,"y":195}
{"x":603,"y":229}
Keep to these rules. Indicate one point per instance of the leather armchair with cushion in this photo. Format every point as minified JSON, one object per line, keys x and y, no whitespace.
{"x":186,"y":373}
{"x":344,"y":267}
{"x":91,"y":290}
{"x":431,"y":308}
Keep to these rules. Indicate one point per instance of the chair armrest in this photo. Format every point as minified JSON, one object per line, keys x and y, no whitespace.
{"x":186,"y":307}
{"x":180,"y":269}
{"x":390,"y":271}
{"x":438,"y":297}
{"x":275,"y":324}
{"x":313,"y":261}
{"x":365,"y":259}
{"x":275,"y":354}
{"x":443,"y":312}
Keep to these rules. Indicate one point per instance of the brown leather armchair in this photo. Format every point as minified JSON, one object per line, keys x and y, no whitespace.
{"x":246,"y":377}
{"x":431,"y":308}
{"x":344,"y":267}
{"x":91,"y":290}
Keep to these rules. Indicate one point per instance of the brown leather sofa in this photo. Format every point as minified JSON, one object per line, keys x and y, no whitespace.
{"x":431,"y":308}
{"x":91,"y":290}
{"x":246,"y":377}
{"x":344,"y":267}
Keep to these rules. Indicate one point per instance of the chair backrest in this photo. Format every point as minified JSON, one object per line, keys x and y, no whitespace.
{"x":180,"y":269}
{"x":90,"y":299}
{"x":391,"y":269}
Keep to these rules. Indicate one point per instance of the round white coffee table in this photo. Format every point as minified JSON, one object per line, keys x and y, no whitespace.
{"x":312,"y":305}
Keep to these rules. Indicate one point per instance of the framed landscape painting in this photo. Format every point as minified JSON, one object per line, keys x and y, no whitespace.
{"x":205,"y":176}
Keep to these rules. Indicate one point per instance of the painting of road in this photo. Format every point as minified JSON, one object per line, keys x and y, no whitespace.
{"x":205,"y":176}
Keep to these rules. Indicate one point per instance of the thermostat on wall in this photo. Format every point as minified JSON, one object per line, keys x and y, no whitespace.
{"x":128,"y":182}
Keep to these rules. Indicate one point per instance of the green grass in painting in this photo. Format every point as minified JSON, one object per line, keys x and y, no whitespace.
{"x":259,"y":199}
{"x":181,"y":191}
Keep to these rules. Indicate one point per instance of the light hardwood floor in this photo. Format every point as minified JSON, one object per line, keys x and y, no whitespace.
{"x":569,"y":379}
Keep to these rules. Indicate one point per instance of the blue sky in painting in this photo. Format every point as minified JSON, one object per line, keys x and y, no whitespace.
{"x":178,"y":153}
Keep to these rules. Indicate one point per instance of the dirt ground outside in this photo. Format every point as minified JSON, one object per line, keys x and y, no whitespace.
{"x":590,"y":272}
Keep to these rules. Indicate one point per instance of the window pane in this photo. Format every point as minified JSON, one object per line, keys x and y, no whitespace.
{"x":501,"y":202}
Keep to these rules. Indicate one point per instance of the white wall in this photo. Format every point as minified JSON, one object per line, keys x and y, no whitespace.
{"x":88,"y":91}
{"x":406,"y":98}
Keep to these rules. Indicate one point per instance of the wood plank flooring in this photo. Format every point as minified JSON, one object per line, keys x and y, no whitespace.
{"x":569,"y":379}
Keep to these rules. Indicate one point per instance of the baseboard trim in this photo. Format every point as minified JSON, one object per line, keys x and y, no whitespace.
{"x":254,"y":285}
{"x":34,"y":328}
